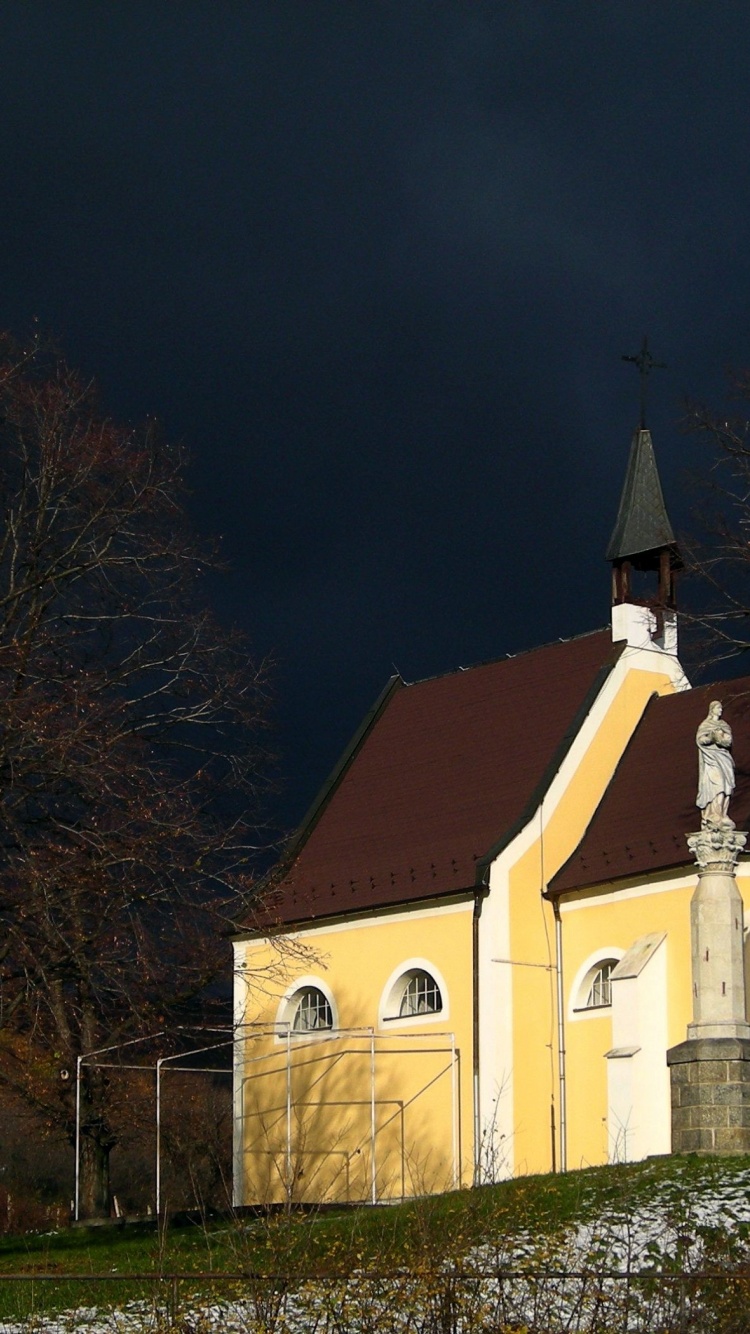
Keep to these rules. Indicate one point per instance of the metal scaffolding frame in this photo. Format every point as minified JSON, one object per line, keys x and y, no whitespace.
{"x":315,"y":1041}
{"x":292,"y":1044}
{"x":92,"y":1058}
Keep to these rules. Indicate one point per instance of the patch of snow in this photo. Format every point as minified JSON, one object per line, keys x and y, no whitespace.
{"x":668,"y":1224}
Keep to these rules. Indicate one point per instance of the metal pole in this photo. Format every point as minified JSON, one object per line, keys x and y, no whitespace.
{"x":158,"y":1138}
{"x":87,"y":1056}
{"x":454,"y":1105}
{"x":289,"y":1113}
{"x":476,"y":1055}
{"x":403,"y":1149}
{"x":374,"y":1187}
{"x":78,"y":1137}
{"x":561,"y":1038}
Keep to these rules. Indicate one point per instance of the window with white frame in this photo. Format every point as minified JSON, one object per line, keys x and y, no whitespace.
{"x":596,"y":992}
{"x":420,"y":994}
{"x":310,"y":1011}
{"x":415,"y":992}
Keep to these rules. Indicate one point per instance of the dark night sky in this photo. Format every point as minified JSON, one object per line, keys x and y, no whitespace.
{"x":375,"y":263}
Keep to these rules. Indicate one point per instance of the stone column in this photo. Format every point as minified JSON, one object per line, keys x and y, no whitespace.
{"x":710,"y":1072}
{"x":716,"y":937}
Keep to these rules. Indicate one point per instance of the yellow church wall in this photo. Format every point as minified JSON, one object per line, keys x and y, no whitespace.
{"x":597,"y":925}
{"x":422,"y":1065}
{"x":532,"y":926}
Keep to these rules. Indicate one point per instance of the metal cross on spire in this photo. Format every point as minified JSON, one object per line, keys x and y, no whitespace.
{"x":645,"y":363}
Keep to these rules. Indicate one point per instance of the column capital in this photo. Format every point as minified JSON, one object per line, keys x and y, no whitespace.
{"x":717,"y":847}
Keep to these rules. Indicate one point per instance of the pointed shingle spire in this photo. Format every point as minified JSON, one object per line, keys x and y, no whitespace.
{"x":642,"y":524}
{"x":643,"y":538}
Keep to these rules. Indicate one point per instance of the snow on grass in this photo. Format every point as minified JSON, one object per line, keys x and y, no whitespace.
{"x":685,"y":1221}
{"x":668,"y":1220}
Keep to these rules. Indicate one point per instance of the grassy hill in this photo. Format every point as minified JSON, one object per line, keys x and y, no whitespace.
{"x":692,"y":1193}
{"x":612,"y":1224}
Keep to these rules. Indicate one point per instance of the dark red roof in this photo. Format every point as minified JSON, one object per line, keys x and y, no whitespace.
{"x":445,"y":770}
{"x":648,"y":810}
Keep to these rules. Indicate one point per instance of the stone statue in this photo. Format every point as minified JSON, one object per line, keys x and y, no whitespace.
{"x":715,"y":769}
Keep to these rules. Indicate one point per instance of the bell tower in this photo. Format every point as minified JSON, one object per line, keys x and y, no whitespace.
{"x":642,"y":538}
{"x":643,"y":542}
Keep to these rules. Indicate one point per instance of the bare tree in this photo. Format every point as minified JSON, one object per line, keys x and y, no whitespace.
{"x":719,"y":555}
{"x":130,"y":764}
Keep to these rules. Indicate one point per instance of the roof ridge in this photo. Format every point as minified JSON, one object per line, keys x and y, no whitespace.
{"x":507,"y":657}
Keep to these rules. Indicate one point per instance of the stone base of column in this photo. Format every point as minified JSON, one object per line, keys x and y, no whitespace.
{"x":710,"y":1083}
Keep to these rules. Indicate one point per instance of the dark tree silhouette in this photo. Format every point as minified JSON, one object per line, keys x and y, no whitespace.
{"x":130,"y":763}
{"x":718,"y":556}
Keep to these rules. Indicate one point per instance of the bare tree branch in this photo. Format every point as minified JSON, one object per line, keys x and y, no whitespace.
{"x":130,"y":752}
{"x":718,"y":556}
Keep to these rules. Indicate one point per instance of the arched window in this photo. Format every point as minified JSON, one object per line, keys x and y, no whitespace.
{"x":310,"y":1011}
{"x":420,"y":994}
{"x":590,"y":995}
{"x":415,"y":992}
{"x":597,"y":989}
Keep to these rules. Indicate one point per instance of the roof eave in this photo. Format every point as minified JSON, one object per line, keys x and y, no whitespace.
{"x":308,"y":923}
{"x":680,"y":866}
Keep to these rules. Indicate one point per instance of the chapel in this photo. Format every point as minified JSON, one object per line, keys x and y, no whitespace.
{"x":475,"y":955}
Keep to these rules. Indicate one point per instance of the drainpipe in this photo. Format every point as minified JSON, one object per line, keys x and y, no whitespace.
{"x":479,"y":896}
{"x":561,"y":1037}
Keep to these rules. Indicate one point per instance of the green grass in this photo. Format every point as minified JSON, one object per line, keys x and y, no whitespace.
{"x":370,"y":1238}
{"x":424,"y":1235}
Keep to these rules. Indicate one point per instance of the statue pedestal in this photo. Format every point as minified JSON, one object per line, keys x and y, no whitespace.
{"x":710,"y":1072}
{"x":710,"y":1084}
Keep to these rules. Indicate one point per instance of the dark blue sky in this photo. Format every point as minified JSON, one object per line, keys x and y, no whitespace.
{"x":375,"y":262}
